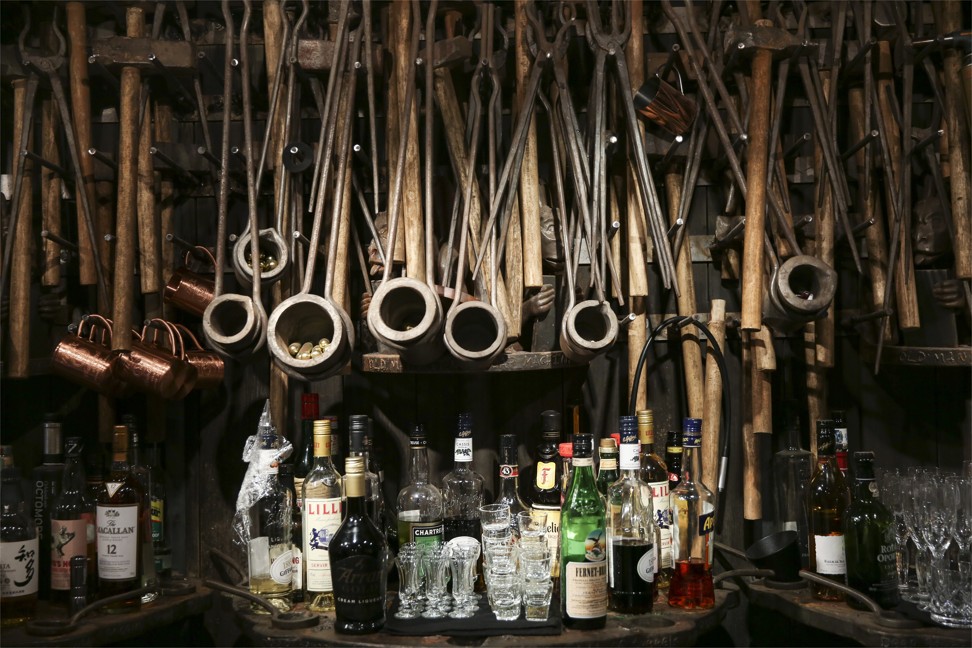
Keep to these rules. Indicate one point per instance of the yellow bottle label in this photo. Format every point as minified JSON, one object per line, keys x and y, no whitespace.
{"x":546,"y":475}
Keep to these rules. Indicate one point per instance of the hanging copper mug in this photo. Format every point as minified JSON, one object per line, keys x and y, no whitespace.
{"x":80,"y":359}
{"x":189,"y":290}
{"x":661,"y":103}
{"x":209,"y":365}
{"x":155,"y":369}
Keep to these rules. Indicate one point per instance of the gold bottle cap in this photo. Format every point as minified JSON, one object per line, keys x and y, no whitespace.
{"x":354,"y":477}
{"x":322,"y":426}
{"x":646,"y":426}
{"x":119,"y":443}
{"x":608,"y":443}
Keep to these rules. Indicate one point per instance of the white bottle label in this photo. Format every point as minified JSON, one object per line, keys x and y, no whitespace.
{"x":117,"y":542}
{"x":18,"y":568}
{"x":628,"y":455}
{"x":647,"y":565}
{"x":322,"y":517}
{"x":297,"y":579}
{"x":463,"y":450}
{"x":68,"y":539}
{"x":282,"y":568}
{"x":586,"y":583}
{"x":829,"y":553}
{"x":663,"y":515}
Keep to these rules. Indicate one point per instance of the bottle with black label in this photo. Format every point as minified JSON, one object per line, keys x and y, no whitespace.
{"x":462,"y":489}
{"x":46,"y":484}
{"x":869,"y":539}
{"x":827,"y":499}
{"x":583,"y":545}
{"x":72,"y":525}
{"x":120,"y":526}
{"x":19,"y":552}
{"x":419,"y":502}
{"x":357,"y":554}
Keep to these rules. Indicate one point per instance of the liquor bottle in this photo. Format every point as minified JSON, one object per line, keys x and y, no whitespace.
{"x":583,"y":564}
{"x":841,"y":441}
{"x":462,"y":489}
{"x":309,"y":412}
{"x":72,"y":525}
{"x":357,"y":432}
{"x":693,"y":507}
{"x":654,"y":474}
{"x":566,"y":452}
{"x":270,"y":550}
{"x":373,"y":461}
{"x":632,"y":536}
{"x":357,"y":553}
{"x":791,"y":474}
{"x":120,"y":523}
{"x":19,"y":552}
{"x":337,"y":447}
{"x":158,"y":503}
{"x":94,"y":468}
{"x":322,"y":517}
{"x":869,"y":539}
{"x":544,"y":492}
{"x":827,"y":499}
{"x":6,"y":456}
{"x":419,"y":502}
{"x":673,"y":459}
{"x":509,"y":473}
{"x":46,"y":484}
{"x":145,"y":477}
{"x":387,"y":522}
{"x":285,"y":473}
{"x":607,"y":472}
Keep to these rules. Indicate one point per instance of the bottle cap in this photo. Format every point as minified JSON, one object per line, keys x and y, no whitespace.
{"x":310,"y":406}
{"x":646,"y":417}
{"x":550,"y":421}
{"x":416,"y":438}
{"x":566,"y":450}
{"x":119,"y":440}
{"x":608,"y":444}
{"x":464,"y":426}
{"x":583,"y":445}
{"x":692,"y":424}
{"x":52,"y":438}
{"x":322,"y":426}
{"x":864,"y":465}
{"x":74,"y":446}
{"x":357,"y":440}
{"x":629,"y":431}
{"x":508,"y":448}
{"x":354,"y":465}
{"x":826,"y":442}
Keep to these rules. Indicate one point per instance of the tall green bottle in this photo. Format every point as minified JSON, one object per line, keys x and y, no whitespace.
{"x":869,"y":539}
{"x":583,"y":545}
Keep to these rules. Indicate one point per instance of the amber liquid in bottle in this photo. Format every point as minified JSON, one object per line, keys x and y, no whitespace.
{"x":827,"y":499}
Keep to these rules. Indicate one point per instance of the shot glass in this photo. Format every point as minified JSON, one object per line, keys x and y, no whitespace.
{"x":536,"y":599}
{"x":495,"y":519}
{"x":503,"y":592}
{"x":533,"y":529}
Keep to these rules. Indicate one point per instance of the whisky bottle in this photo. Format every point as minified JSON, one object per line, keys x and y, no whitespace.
{"x":45,"y":485}
{"x":419,"y":502}
{"x":309,"y":412}
{"x":72,"y":525}
{"x":654,"y":474}
{"x":19,"y":552}
{"x":583,"y":564}
{"x":544,"y":492}
{"x":119,"y":521}
{"x":869,"y":539}
{"x":357,"y":554}
{"x":322,"y":517}
{"x":631,"y":532}
{"x":827,"y":499}
{"x":509,"y":477}
{"x":607,"y":472}
{"x":462,"y":489}
{"x":693,"y":508}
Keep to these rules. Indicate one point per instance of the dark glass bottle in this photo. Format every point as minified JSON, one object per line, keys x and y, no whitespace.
{"x":357,"y":554}
{"x":309,"y":408}
{"x":655,"y":474}
{"x":607,"y":471}
{"x":869,"y":539}
{"x":509,"y":477}
{"x":158,"y":501}
{"x":72,"y":525}
{"x":146,"y":477}
{"x":462,"y":489}
{"x":357,"y":436}
{"x":827,"y":499}
{"x":841,"y":441}
{"x":120,"y":527}
{"x":45,"y":485}
{"x":19,"y":552}
{"x":583,"y":545}
{"x":673,"y":458}
{"x":545,"y":494}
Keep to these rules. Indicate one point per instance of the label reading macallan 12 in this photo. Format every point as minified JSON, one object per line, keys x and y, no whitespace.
{"x":18,"y":566}
{"x":829,"y":553}
{"x":586,"y":593}
{"x":322,"y":517}
{"x":69,"y":538}
{"x":117,"y":542}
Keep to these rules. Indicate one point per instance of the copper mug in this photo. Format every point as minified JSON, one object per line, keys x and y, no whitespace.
{"x":663,"y":104}
{"x":80,"y":359}
{"x":154,"y":369}
{"x":189,"y":290}
{"x":209,"y":365}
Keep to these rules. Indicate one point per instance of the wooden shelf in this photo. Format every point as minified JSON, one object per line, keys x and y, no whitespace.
{"x":391,"y":363}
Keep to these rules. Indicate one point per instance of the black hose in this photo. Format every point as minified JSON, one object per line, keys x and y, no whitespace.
{"x":680,"y":321}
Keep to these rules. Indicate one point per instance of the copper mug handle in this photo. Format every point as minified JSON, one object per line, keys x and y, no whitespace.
{"x":187,"y":373}
{"x":150,"y":369}
{"x":210,"y":368}
{"x":80,"y":359}
{"x":189,"y":290}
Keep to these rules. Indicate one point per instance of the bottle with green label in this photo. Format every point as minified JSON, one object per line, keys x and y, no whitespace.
{"x":583,"y":545}
{"x":419,"y":502}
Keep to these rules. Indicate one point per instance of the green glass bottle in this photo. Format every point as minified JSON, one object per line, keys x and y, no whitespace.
{"x":869,"y":542}
{"x":607,"y":472}
{"x":583,"y":545}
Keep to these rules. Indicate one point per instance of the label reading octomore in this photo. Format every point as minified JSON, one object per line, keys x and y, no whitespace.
{"x":586,"y":594}
{"x":117,"y":542}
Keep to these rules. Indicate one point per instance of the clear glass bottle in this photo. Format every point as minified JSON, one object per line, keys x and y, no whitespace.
{"x":509,"y":477}
{"x":270,"y":549}
{"x":72,"y":525}
{"x":285,"y":473}
{"x":419,"y":502}
{"x":358,"y":553}
{"x":45,"y":486}
{"x":693,"y":508}
{"x":632,"y":536}
{"x":827,"y":499}
{"x":120,"y":523}
{"x":583,"y":550}
{"x":655,"y":475}
{"x":869,"y":539}
{"x":146,"y":477}
{"x":322,"y":517}
{"x":462,"y":489}
{"x":19,"y":552}
{"x":357,"y":432}
{"x":792,"y":467}
{"x":544,"y":491}
{"x":607,"y":472}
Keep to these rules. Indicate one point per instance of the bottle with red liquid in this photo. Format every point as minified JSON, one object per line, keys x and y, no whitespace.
{"x":693,"y":510}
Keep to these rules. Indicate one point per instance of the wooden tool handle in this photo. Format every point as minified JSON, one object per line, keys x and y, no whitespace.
{"x":752,"y":290}
{"x":529,"y":174}
{"x":636,"y":226}
{"x":51,"y":193}
{"x":816,"y":385}
{"x":150,"y":264}
{"x":712,"y":417}
{"x":763,"y":366}
{"x":125,"y":221}
{"x":825,"y":239}
{"x":752,"y":499}
{"x":18,"y":351}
